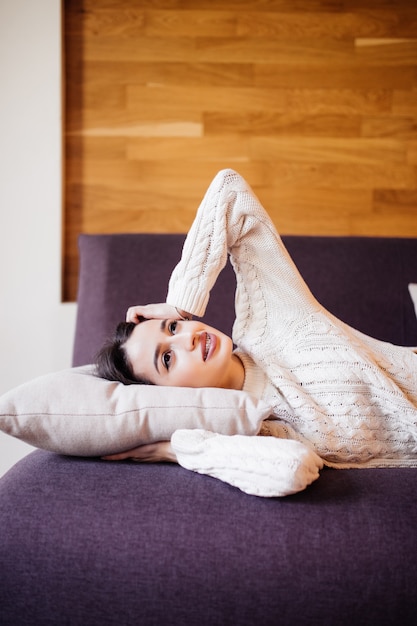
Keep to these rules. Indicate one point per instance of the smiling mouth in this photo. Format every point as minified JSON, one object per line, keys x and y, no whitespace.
{"x":208,"y":344}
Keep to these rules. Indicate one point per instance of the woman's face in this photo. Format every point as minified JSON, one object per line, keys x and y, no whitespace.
{"x":183,"y":354}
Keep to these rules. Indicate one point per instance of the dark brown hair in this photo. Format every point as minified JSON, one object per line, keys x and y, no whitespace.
{"x":112,"y":362}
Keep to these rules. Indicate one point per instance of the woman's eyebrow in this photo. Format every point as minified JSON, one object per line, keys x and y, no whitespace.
{"x":158,"y":347}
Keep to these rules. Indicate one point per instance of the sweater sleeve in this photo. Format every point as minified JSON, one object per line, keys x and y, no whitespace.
{"x":231,"y":220}
{"x":261,"y":466}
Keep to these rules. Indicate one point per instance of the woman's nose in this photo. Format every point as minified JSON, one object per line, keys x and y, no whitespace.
{"x":186,"y":340}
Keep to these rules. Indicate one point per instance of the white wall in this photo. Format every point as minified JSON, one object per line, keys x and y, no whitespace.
{"x":36,"y":329}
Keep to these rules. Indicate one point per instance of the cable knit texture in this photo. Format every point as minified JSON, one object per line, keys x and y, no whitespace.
{"x":271,"y":467}
{"x":350,"y":397}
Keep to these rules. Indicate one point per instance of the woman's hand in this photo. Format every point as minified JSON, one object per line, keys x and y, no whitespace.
{"x":161,"y":311}
{"x":149,"y":453}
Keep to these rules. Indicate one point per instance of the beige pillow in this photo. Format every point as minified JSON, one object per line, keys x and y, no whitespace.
{"x":74,"y":412}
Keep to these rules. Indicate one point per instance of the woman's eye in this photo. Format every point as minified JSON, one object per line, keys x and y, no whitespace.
{"x":166,"y":359}
{"x":172,"y":327}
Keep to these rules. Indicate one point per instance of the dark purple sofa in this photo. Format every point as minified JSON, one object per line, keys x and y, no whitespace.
{"x":84,"y":542}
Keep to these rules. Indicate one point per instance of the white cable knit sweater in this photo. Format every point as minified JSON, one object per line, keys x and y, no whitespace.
{"x":353,"y":399}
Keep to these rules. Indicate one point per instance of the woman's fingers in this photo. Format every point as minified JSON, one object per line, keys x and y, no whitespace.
{"x":150,"y":453}
{"x":153,"y":311}
{"x":134,"y":314}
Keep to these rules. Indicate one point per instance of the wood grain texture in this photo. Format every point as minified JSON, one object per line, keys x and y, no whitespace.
{"x":313,"y":101}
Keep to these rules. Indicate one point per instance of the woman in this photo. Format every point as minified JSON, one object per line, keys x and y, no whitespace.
{"x":349,"y":398}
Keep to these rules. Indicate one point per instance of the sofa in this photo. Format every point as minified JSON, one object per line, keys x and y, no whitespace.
{"x":88,"y":542}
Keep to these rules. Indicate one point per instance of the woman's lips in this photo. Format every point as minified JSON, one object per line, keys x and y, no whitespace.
{"x":208,"y":345}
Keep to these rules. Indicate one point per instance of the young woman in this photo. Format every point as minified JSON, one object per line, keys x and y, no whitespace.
{"x":345,"y":398}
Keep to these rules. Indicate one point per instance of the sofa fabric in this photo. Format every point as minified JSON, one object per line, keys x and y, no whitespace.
{"x":86,"y":542}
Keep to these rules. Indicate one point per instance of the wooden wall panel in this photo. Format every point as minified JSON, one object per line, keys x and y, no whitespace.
{"x":313,"y":101}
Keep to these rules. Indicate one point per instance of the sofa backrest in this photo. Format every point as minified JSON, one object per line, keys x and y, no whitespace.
{"x":362,"y":280}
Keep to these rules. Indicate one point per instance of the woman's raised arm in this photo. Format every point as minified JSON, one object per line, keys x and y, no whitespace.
{"x":231,"y":220}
